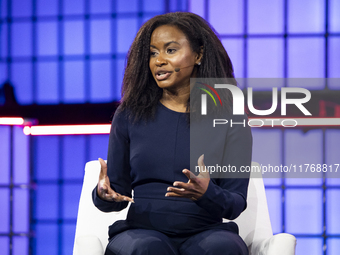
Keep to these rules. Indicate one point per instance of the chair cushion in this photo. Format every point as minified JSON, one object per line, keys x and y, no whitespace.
{"x":280,"y":244}
{"x":88,"y":245}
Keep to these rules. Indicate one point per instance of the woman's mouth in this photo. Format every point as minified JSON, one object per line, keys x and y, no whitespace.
{"x":162,"y":75}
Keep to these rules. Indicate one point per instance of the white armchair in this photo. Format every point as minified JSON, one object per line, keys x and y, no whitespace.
{"x":91,"y":235}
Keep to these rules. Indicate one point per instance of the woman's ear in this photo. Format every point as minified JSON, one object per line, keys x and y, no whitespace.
{"x":199,"y":56}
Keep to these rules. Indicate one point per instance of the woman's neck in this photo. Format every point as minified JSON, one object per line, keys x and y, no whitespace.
{"x":176,"y":100}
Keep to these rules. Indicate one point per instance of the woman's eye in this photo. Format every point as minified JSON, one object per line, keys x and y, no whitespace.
{"x":152,"y":53}
{"x":171,"y":51}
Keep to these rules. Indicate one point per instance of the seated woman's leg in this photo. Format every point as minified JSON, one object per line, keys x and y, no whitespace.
{"x":214,"y":242}
{"x":140,"y":241}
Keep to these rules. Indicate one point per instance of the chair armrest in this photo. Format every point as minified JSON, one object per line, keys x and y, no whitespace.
{"x":279,"y":244}
{"x":88,"y":245}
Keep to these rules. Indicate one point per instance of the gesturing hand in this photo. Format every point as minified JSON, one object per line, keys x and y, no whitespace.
{"x":195,"y":187}
{"x":104,"y":189}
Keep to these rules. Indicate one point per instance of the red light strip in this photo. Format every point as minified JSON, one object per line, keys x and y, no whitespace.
{"x":105,"y":128}
{"x":11,"y":121}
{"x":68,"y":130}
{"x":301,"y":122}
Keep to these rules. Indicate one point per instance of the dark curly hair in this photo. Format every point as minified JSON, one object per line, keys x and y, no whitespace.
{"x":140,"y":93}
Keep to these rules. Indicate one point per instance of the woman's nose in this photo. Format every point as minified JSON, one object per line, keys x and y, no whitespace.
{"x":161,"y":60}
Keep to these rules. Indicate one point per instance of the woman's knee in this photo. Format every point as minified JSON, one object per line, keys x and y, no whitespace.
{"x":140,"y":242}
{"x":225,"y":247}
{"x":149,"y":245}
{"x":215,"y":243}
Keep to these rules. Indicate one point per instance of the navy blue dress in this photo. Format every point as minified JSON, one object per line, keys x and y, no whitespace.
{"x":149,"y":157}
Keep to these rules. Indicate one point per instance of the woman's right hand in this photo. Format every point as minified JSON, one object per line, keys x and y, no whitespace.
{"x":104,"y":189}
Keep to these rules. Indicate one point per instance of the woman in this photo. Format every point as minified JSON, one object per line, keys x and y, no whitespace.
{"x":173,"y":211}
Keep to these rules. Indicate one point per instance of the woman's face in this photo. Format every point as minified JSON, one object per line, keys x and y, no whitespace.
{"x":170,"y":49}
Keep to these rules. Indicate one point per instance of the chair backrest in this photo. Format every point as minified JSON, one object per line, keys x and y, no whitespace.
{"x":92,"y":224}
{"x":254,"y":222}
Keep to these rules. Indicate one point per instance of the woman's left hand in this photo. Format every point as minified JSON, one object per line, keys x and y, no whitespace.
{"x":195,"y":187}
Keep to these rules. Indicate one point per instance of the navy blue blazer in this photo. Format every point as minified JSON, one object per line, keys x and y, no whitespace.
{"x":149,"y":157}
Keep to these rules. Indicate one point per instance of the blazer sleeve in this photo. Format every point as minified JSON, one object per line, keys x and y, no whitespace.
{"x":118,"y":164}
{"x":227,"y":197}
